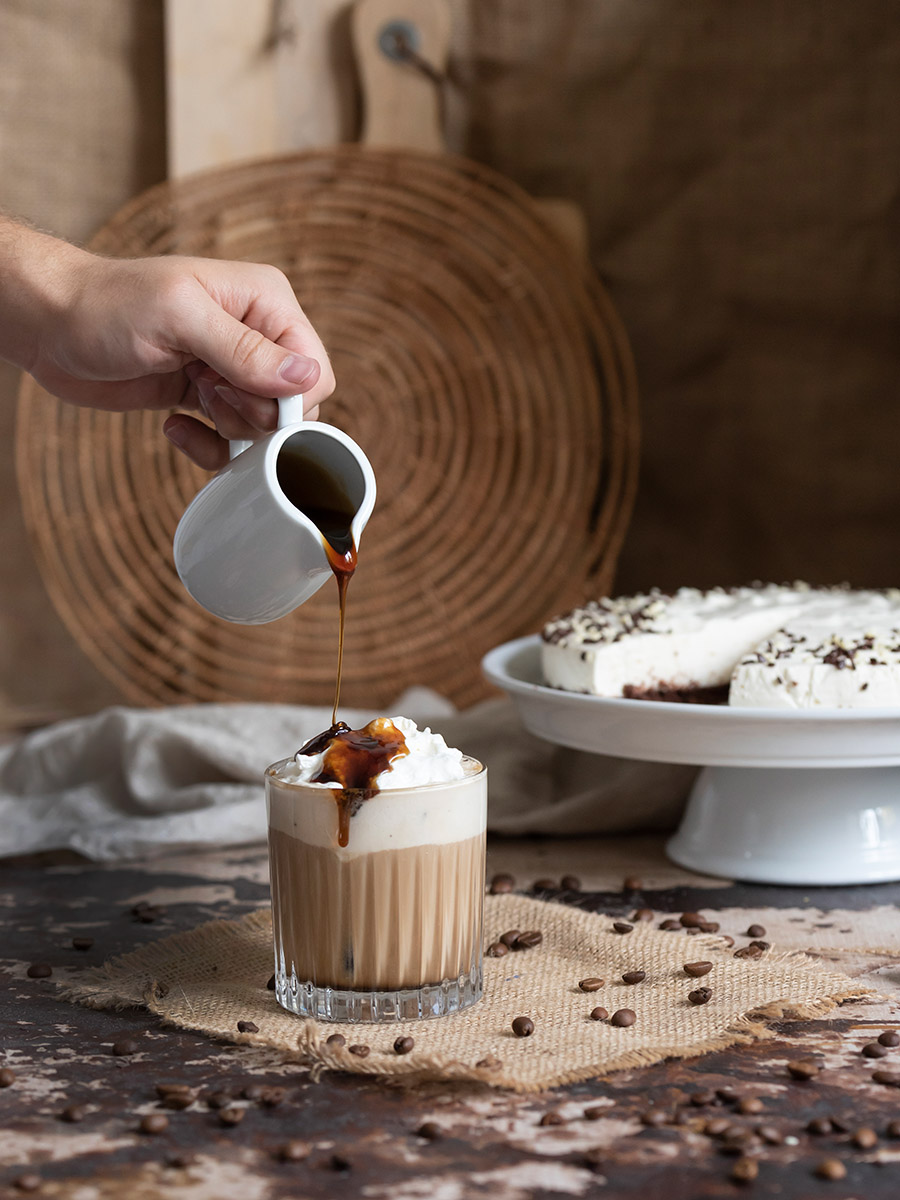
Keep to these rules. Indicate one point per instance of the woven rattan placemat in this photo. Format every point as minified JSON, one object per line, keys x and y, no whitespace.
{"x":214,"y":976}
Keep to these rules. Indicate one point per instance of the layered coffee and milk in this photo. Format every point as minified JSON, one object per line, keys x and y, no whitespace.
{"x":376,"y":844}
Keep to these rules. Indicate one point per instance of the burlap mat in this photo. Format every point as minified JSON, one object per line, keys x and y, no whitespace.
{"x":214,"y":976}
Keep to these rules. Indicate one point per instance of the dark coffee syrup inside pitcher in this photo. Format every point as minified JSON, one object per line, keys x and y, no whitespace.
{"x":319,"y":495}
{"x":355,"y":758}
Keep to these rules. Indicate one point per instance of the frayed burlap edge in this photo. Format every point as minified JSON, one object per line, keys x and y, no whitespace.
{"x":139,"y":978}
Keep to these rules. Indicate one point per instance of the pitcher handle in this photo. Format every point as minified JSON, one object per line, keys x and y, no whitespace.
{"x":290,"y":412}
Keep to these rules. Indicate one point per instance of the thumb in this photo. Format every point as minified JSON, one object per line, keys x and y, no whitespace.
{"x":245,"y":357}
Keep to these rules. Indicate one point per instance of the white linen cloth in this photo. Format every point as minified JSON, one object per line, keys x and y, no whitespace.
{"x":127,"y":781}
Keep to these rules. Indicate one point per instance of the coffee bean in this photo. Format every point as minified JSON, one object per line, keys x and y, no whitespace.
{"x":893,"y":1129}
{"x":544,"y":885}
{"x":599,"y":1013}
{"x":339,"y":1162}
{"x":760,"y":945}
{"x":623,"y":1018}
{"x":756,"y":931}
{"x":177,"y":1103}
{"x":745,"y":1170}
{"x":750,"y":1106}
{"x":523,"y":1027}
{"x":335,"y":1040}
{"x":403,"y":1045}
{"x":838,"y":1124}
{"x":670,"y":924}
{"x":737,"y":1136}
{"x":875,"y":1050}
{"x":702,"y":1098}
{"x":253,"y":1091}
{"x":164,"y":1090}
{"x":231,"y":1116}
{"x":82,"y":943}
{"x":594,"y":1113}
{"x":528,"y":939}
{"x":770,"y":1135}
{"x":123,"y":1047}
{"x":865,"y":1138}
{"x":693,"y":931}
{"x":654,"y":1117}
{"x":748,"y":952}
{"x":39,"y":970}
{"x":181,"y":1162}
{"x":831,"y":1168}
{"x":552,"y":1118}
{"x":716,"y":1127}
{"x":622,"y":927}
{"x":700,"y":995}
{"x":73,"y":1114}
{"x":819,"y":1126}
{"x":696,"y":969}
{"x":634,"y":976}
{"x":692,"y":920}
{"x":271,"y":984}
{"x":643,"y":914}
{"x":803,"y":1069}
{"x":154,"y":1123}
{"x":430,"y":1130}
{"x":489,"y":1063}
{"x":508,"y":938}
{"x":632,"y":883}
{"x":497,"y":950}
{"x":501,"y":884}
{"x":148,"y":913}
{"x":219,"y":1100}
{"x":728,"y":940}
{"x":247,"y":1027}
{"x":271,"y":1097}
{"x":361,"y":1051}
{"x":890,"y":1037}
{"x":294,"y":1151}
{"x":591,"y":985}
{"x":682,"y":1116}
{"x":709,"y":927}
{"x":7,"y":1077}
{"x":888,"y":1078}
{"x":28,"y":1182}
{"x":570,"y":883}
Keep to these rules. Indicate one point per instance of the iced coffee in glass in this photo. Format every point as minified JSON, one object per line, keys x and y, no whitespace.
{"x":376,"y":848}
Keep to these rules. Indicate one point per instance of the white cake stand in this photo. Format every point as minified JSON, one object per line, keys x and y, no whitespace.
{"x":786,"y":796}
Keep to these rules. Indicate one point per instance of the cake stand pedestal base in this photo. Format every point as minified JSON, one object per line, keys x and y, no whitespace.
{"x":793,"y":826}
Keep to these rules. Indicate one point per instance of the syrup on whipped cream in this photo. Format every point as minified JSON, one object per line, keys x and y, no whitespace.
{"x":388,"y":754}
{"x":769,"y":645}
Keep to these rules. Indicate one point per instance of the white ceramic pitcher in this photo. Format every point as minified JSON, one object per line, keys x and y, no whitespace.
{"x":242,"y":549}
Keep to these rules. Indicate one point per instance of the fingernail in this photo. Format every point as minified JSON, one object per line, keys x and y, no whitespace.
{"x":226,"y":393}
{"x":176,"y":434}
{"x":297,"y":368}
{"x":205,"y":390}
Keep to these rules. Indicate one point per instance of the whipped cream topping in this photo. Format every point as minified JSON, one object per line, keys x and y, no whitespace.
{"x":428,"y":759}
{"x":777,"y":646}
{"x":430,"y":796}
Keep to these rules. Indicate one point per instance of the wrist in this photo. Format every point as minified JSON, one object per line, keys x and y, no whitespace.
{"x":38,"y":280}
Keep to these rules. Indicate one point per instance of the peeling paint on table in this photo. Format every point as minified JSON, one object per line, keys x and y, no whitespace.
{"x":361,"y":1132}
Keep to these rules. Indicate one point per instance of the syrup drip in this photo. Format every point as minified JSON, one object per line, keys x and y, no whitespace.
{"x":320,"y":496}
{"x":354,"y":758}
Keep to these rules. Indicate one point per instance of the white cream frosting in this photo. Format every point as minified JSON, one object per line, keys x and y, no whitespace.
{"x":775,"y":645}
{"x":431,"y":796}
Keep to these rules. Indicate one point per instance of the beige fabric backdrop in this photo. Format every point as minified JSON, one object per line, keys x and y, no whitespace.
{"x":740,"y":166}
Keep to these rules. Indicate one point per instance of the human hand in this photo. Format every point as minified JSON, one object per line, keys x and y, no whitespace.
{"x":224,"y":339}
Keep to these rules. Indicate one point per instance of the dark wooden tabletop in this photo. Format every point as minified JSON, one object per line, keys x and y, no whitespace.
{"x":679,"y":1129}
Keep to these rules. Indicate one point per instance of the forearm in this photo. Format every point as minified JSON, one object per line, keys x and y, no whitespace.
{"x":38,"y":276}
